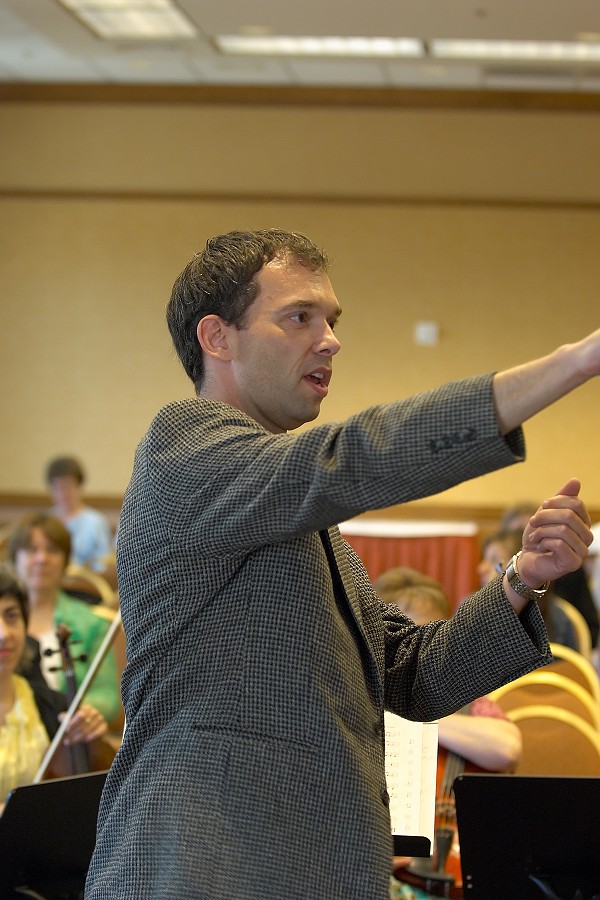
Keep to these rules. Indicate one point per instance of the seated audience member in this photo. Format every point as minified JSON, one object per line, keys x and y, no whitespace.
{"x":592,"y":569}
{"x":574,"y":587}
{"x":39,"y":547}
{"x":498,"y":549}
{"x":592,"y":566}
{"x":480,"y":734}
{"x":91,"y":537}
{"x":393,"y":587}
{"x":29,"y":716}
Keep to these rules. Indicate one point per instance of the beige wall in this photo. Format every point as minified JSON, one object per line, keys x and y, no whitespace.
{"x":486,"y":222}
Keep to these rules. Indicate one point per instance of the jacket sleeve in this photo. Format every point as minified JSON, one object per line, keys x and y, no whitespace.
{"x":438,"y":668}
{"x":224,"y":483}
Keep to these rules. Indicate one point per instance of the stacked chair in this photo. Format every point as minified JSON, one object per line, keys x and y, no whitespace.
{"x":557,"y":709}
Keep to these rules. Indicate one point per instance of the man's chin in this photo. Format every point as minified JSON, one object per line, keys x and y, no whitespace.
{"x":303,"y":419}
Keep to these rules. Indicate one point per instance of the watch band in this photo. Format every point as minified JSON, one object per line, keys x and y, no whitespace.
{"x":528,"y":593}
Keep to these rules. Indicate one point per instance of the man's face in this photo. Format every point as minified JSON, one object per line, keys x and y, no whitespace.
{"x":281,"y":359}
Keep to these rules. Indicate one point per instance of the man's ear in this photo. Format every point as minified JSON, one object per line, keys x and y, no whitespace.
{"x":213,"y":336}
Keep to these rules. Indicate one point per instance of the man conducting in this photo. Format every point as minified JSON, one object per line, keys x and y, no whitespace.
{"x":260,"y":659}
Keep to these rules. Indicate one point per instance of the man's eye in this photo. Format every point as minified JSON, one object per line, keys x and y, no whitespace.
{"x":300,"y":317}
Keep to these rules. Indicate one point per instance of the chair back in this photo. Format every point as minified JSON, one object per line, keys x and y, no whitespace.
{"x":550,"y":689}
{"x":580,"y":626}
{"x":85,"y":584}
{"x":572,"y":664}
{"x":556,"y":742}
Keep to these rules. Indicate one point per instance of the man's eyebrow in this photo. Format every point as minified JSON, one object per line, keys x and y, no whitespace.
{"x":311,"y":304}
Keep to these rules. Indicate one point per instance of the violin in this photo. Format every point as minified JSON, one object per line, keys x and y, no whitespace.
{"x":80,"y":757}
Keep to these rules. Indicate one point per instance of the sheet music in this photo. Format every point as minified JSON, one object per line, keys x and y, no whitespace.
{"x":410,"y":768}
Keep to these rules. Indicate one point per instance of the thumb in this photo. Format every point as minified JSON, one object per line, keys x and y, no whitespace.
{"x":571,"y":488}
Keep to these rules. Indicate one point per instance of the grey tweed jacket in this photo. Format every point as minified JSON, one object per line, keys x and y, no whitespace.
{"x":260,"y":660}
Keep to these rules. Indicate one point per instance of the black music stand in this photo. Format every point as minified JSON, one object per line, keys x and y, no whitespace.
{"x":411,"y":845}
{"x":529,"y":837}
{"x":47,"y":837}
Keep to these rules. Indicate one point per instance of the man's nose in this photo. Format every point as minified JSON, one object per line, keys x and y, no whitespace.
{"x":329,"y":342}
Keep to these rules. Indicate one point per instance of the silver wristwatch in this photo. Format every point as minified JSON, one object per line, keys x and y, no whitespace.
{"x":528,"y":593}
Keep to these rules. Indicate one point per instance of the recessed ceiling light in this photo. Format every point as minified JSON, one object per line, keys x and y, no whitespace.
{"x":288,"y":45}
{"x":132,"y":19}
{"x":524,"y":51}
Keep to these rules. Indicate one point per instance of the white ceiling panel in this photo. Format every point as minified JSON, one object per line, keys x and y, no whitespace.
{"x":139,"y":66}
{"x":354,"y":73}
{"x":248,"y":72}
{"x":434,"y":75}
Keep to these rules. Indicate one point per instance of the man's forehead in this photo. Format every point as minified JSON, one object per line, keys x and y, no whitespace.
{"x":282,"y":276}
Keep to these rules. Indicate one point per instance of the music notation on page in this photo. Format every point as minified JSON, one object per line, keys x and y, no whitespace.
{"x":410,"y":767}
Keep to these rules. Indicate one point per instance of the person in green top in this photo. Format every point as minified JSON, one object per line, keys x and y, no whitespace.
{"x":39,"y":548}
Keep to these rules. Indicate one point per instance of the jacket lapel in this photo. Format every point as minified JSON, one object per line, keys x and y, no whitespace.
{"x":343,"y":582}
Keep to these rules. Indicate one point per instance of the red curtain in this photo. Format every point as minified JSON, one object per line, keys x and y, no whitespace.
{"x":449,"y":558}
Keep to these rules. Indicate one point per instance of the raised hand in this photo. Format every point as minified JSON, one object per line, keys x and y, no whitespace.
{"x":556,"y":538}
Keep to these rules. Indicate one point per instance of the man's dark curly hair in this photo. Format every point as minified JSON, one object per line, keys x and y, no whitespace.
{"x":220,"y":280}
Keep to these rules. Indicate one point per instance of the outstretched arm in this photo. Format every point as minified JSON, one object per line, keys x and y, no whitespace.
{"x":555,"y":541}
{"x":525,"y":390}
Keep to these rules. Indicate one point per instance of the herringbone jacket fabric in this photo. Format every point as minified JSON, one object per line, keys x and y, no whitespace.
{"x":260,"y":660}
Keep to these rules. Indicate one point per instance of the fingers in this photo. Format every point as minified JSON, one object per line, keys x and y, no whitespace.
{"x":86,"y":725}
{"x":556,"y":530}
{"x":557,"y":536}
{"x":564,"y":508}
